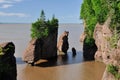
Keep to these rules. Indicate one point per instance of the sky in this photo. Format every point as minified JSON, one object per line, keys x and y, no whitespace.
{"x":28,"y":11}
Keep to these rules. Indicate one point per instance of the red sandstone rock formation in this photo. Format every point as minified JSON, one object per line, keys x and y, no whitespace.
{"x":42,"y":48}
{"x":101,"y":35}
{"x":106,"y":53}
{"x":28,"y":55}
{"x":63,"y":44}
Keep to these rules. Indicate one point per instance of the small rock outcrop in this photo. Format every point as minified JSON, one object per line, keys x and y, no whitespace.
{"x":8,"y":70}
{"x":73,"y":51}
{"x":42,"y":48}
{"x":63,"y":44}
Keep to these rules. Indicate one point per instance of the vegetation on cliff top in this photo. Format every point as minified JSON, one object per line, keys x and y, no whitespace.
{"x":42,"y":28}
{"x":93,"y":11}
{"x":114,"y":6}
{"x":97,"y":11}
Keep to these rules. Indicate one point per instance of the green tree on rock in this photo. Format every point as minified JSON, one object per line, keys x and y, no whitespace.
{"x":42,"y":28}
{"x":42,"y":16}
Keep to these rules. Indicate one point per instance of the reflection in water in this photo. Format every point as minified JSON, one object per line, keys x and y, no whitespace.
{"x":19,"y":60}
{"x":73,"y":51}
{"x":67,"y":67}
{"x":66,"y":59}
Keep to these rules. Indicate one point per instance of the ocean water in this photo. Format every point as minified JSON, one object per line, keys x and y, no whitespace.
{"x":19,"y":34}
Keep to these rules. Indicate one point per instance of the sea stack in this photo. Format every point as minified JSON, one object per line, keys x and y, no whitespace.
{"x":43,"y":44}
{"x":63,"y":44}
{"x":8,"y":70}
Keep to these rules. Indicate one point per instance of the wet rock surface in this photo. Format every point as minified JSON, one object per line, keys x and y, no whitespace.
{"x":8,"y":70}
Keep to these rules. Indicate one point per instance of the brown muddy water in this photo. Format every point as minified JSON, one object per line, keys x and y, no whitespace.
{"x":64,"y":68}
{"x":69,"y":67}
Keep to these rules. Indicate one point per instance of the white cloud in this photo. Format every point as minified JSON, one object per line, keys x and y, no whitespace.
{"x":5,"y":1}
{"x":9,"y":1}
{"x":6,"y":5}
{"x":13,"y":14}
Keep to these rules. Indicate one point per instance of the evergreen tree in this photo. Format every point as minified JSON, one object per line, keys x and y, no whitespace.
{"x":42,"y":28}
{"x":42,"y":16}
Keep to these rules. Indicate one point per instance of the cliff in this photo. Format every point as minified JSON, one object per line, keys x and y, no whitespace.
{"x":102,"y":34}
{"x":108,"y":50}
{"x":102,"y":18}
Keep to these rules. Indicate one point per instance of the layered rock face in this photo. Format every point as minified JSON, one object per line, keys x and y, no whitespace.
{"x":8,"y":70}
{"x":47,"y":47}
{"x":28,"y":55}
{"x":105,"y":53}
{"x":102,"y":34}
{"x":42,"y":48}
